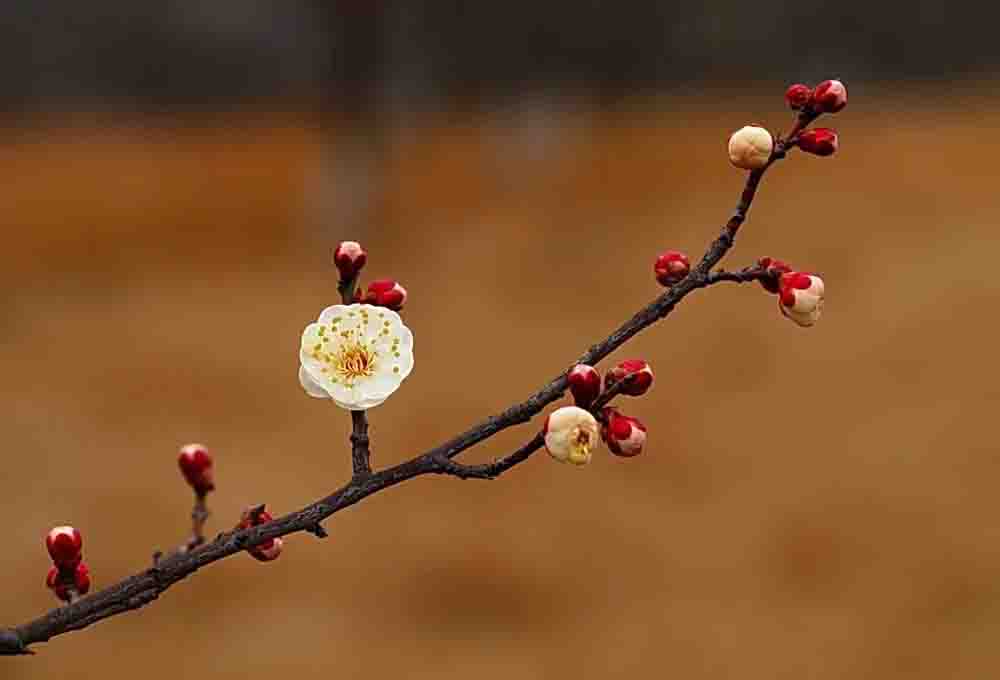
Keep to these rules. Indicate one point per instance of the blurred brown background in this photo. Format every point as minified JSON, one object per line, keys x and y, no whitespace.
{"x":812,"y":503}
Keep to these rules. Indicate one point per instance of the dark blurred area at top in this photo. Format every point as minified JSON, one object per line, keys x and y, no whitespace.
{"x":365,"y":55}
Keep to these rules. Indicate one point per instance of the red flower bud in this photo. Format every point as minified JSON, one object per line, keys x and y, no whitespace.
{"x":584,"y":384}
{"x":196,"y":466}
{"x":821,"y":141}
{"x":386,"y":293}
{"x":774,"y":268}
{"x":350,"y":258}
{"x":254,"y":516}
{"x":268,"y":550}
{"x":797,"y":96}
{"x":671,"y":267}
{"x":638,"y":373}
{"x":65,"y":546}
{"x":64,"y":582}
{"x":830,"y":96}
{"x":624,"y":435}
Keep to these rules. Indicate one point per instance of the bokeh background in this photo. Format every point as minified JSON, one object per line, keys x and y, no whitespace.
{"x":812,"y":504}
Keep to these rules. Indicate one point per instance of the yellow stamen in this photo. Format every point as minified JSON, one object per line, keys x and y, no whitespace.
{"x":354,"y":361}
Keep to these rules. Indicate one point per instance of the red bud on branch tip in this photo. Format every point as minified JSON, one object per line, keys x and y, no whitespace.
{"x":797,"y":96}
{"x":774,"y":268}
{"x":268,"y":550}
{"x":584,"y":384}
{"x":671,"y":267}
{"x":386,"y":293}
{"x":638,"y":372}
{"x":821,"y":141}
{"x":830,"y":96}
{"x":196,"y":466}
{"x":624,"y":435}
{"x":65,"y":546}
{"x":801,"y":297}
{"x":349,"y":258}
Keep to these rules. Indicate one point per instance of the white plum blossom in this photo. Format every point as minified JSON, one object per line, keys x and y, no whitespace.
{"x":357,"y":355}
{"x":571,"y":434}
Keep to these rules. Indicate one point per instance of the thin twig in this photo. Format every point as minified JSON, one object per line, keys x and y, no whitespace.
{"x":140,"y":589}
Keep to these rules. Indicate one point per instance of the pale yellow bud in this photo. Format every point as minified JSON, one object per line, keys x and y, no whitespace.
{"x":750,"y":147}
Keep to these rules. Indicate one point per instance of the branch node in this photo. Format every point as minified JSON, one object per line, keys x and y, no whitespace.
{"x":318,"y":531}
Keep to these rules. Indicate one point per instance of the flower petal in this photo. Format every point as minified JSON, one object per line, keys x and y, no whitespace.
{"x":310,"y":386}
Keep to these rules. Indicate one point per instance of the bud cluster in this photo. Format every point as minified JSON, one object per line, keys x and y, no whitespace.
{"x":69,"y":576}
{"x":752,"y":147}
{"x":572,"y":432}
{"x":350,"y":258}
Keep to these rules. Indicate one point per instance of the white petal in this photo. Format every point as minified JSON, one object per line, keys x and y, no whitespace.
{"x":310,"y":386}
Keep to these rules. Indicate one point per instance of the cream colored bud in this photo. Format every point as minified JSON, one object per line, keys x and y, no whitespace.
{"x":801,"y":298}
{"x":571,"y":434}
{"x":750,"y":147}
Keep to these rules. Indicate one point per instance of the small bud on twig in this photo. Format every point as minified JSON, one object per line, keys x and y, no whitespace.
{"x":386,"y":293}
{"x":820,"y":141}
{"x":750,"y":147}
{"x":797,"y":96}
{"x":571,"y":434}
{"x":196,"y":466}
{"x":671,"y":267}
{"x":637,"y":371}
{"x":268,"y":550}
{"x":830,"y":96}
{"x":624,"y":435}
{"x":584,"y":384}
{"x":65,"y":546}
{"x":349,"y":258}
{"x":801,"y":297}
{"x":69,"y":583}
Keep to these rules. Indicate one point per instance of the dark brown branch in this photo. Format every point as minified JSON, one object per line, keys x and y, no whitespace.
{"x":745,"y":275}
{"x":360,"y":452}
{"x":144,"y":587}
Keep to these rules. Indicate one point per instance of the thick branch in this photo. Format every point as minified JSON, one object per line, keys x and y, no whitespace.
{"x":144,"y":587}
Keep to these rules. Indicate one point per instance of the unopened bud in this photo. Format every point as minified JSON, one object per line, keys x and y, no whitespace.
{"x":65,"y":546}
{"x":636,"y":373}
{"x":830,"y":96}
{"x":350,"y":259}
{"x":624,"y":435}
{"x":750,"y":147}
{"x":671,"y":267}
{"x":820,"y":141}
{"x":571,"y":435}
{"x":386,"y":293}
{"x":196,"y":466}
{"x":67,"y":582}
{"x":774,"y":268}
{"x":797,"y":96}
{"x":801,"y":297}
{"x":268,"y":550}
{"x":584,"y":384}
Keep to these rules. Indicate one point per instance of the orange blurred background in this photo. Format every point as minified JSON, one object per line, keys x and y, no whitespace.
{"x":811,"y":504}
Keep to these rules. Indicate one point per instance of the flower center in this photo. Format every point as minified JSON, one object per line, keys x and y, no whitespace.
{"x":353,"y":361}
{"x":580,"y":445}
